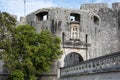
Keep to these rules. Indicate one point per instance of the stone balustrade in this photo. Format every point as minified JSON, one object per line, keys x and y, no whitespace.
{"x":105,"y":63}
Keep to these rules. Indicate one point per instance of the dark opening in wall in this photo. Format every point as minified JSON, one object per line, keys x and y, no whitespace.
{"x":96,"y":20}
{"x":72,"y":58}
{"x":95,"y":30}
{"x":63,"y":36}
{"x":42,"y":16}
{"x":74,"y":17}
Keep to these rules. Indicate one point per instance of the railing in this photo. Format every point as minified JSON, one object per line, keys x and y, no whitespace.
{"x":105,"y":63}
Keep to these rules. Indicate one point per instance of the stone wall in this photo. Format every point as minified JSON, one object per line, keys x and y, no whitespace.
{"x":95,"y":76}
{"x":104,"y":36}
{"x":97,"y":21}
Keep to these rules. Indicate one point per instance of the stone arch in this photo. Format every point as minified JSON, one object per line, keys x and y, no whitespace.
{"x":72,"y":58}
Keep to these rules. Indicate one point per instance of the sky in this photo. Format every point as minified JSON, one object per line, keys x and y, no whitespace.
{"x":16,"y":7}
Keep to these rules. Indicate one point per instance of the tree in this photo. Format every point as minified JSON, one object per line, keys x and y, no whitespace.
{"x":30,"y":52}
{"x":16,"y":75}
{"x":7,"y":22}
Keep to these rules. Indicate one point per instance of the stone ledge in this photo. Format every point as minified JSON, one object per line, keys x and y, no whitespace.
{"x":89,"y":73}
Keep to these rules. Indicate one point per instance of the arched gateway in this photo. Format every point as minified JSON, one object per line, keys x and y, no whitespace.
{"x":72,"y":59}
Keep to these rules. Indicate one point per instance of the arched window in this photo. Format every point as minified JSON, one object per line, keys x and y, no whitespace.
{"x":96,"y":20}
{"x":74,"y":32}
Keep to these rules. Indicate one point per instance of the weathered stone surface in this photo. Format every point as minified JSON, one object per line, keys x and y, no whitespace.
{"x":97,"y":21}
{"x":96,"y":76}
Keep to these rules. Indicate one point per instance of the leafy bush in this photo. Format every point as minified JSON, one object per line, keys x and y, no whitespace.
{"x":16,"y":75}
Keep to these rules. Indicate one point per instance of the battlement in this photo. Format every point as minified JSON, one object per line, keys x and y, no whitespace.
{"x":116,"y":6}
{"x":94,"y":6}
{"x":97,"y":6}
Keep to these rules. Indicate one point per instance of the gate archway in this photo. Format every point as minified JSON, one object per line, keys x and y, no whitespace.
{"x":72,"y":59}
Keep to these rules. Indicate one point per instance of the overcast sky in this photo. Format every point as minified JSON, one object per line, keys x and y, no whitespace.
{"x":16,"y":7}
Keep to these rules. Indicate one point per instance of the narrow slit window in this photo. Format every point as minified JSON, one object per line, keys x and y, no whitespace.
{"x":86,"y":38}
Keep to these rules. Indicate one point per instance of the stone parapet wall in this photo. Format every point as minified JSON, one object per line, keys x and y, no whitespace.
{"x":95,"y":76}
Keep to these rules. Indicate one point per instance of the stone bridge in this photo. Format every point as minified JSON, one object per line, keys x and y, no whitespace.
{"x":102,"y":68}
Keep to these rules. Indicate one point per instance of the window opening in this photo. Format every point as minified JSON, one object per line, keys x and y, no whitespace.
{"x":42,"y":16}
{"x":96,"y":20}
{"x":86,"y":37}
{"x":74,"y":17}
{"x":74,"y":32}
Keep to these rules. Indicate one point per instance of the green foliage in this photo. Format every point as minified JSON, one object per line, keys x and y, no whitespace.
{"x":7,"y":26}
{"x":30,"y":52}
{"x":16,"y":75}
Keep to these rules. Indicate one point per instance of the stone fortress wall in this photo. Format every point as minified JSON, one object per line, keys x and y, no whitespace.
{"x":97,"y":21}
